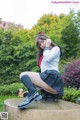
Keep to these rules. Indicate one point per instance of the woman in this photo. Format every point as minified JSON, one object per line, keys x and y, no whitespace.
{"x":49,"y":79}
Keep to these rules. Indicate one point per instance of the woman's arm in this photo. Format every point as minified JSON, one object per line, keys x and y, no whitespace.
{"x":49,"y":55}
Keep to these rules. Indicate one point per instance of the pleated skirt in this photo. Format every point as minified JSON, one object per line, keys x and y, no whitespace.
{"x":53,"y":79}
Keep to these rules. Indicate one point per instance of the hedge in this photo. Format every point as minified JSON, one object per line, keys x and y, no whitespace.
{"x":70,"y":94}
{"x":11,"y":89}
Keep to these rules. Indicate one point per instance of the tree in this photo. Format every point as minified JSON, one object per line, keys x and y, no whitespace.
{"x":70,"y":38}
{"x":17,"y":54}
{"x":76,"y":21}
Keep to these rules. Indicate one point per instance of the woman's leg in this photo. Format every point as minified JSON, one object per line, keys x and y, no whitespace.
{"x":36,"y":80}
{"x":28,"y":84}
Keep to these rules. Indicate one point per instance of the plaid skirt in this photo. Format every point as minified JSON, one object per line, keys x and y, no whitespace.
{"x":53,"y":79}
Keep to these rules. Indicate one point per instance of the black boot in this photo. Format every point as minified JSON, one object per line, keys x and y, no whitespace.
{"x":32,"y":95}
{"x":28,"y":100}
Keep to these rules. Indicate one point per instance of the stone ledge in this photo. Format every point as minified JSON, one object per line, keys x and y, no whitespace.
{"x":42,"y":110}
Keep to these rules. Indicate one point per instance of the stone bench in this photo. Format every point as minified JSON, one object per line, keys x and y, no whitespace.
{"x":42,"y":110}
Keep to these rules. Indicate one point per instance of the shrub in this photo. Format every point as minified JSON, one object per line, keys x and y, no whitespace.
{"x":71,"y":75}
{"x":11,"y":89}
{"x":17,"y":54}
{"x":71,"y":94}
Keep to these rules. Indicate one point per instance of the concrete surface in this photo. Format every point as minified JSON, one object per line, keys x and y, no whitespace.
{"x":42,"y":110}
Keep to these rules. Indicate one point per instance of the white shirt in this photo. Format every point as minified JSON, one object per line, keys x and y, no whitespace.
{"x":51,"y":59}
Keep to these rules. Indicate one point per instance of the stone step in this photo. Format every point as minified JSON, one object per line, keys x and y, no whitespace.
{"x":42,"y":110}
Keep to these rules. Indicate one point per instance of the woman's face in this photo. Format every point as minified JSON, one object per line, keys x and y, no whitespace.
{"x":42,"y":43}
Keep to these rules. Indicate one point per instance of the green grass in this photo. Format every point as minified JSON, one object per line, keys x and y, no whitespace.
{"x":2,"y":98}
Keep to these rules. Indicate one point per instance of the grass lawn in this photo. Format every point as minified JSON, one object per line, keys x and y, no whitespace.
{"x":2,"y":98}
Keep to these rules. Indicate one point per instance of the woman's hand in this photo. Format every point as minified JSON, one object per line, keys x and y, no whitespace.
{"x":48,"y":42}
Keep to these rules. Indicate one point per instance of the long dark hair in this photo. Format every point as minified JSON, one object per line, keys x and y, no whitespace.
{"x":41,"y":36}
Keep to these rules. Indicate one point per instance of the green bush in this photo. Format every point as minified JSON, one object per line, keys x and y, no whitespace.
{"x":11,"y":89}
{"x":17,"y":54}
{"x":18,"y":45}
{"x":71,"y":94}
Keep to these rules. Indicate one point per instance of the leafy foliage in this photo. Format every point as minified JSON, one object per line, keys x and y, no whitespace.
{"x":70,"y":37}
{"x":18,"y":50}
{"x":11,"y":89}
{"x":71,"y":75}
{"x":17,"y":54}
{"x":71,"y":94}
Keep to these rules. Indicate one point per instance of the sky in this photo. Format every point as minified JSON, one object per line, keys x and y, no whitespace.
{"x":28,"y":12}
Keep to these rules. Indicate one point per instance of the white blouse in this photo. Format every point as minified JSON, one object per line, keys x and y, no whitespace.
{"x":51,"y":59}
